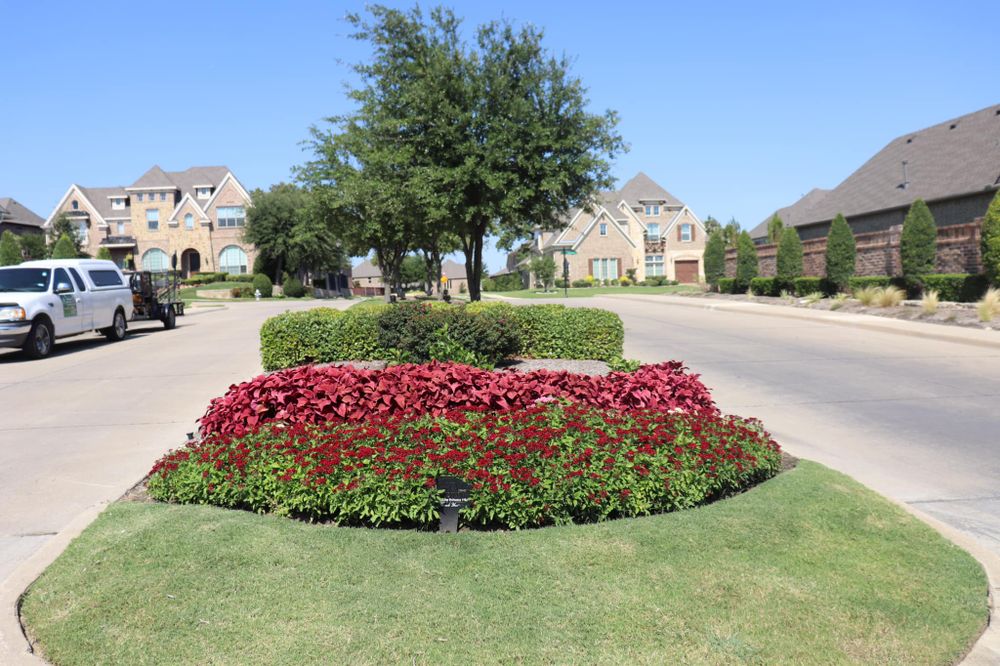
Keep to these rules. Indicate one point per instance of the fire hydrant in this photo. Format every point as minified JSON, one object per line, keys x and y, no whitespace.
{"x":256,"y":294}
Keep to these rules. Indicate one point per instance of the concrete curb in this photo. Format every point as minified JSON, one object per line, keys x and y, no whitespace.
{"x":14,"y":647}
{"x":978,"y":338}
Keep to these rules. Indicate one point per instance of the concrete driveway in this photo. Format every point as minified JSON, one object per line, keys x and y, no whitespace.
{"x":915,"y":419}
{"x":82,"y":426}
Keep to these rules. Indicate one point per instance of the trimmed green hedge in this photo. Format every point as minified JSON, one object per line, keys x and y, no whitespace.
{"x":766,"y":286}
{"x":323,"y":335}
{"x":809,"y":285}
{"x":960,"y":287}
{"x":728,"y":286}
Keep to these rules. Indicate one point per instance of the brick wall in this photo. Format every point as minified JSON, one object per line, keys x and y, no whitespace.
{"x":878,"y":252}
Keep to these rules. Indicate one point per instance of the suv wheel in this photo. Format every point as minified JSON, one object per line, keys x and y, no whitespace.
{"x":40,"y":339}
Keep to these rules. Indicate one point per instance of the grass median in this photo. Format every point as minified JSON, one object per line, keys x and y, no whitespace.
{"x":587,"y":292}
{"x":809,"y":567}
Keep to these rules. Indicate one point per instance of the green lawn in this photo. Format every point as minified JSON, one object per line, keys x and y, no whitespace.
{"x":807,"y":568}
{"x":189,"y":293}
{"x":584,"y":292}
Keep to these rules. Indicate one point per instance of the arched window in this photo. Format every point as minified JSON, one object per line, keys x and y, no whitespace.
{"x":155,"y":260}
{"x":75,"y":204}
{"x":233,"y":260}
{"x":189,"y":221}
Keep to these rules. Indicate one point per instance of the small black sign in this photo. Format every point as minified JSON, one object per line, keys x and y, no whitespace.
{"x":455,"y":496}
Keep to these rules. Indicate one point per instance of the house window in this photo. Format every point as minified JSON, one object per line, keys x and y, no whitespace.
{"x":163,"y":196}
{"x":233,"y":260}
{"x":652,"y":211}
{"x":121,"y":228}
{"x":189,"y":221}
{"x":117,"y":204}
{"x":604,"y":229}
{"x":653,"y":231}
{"x":605,"y":269}
{"x":231,"y":216}
{"x":155,"y":260}
{"x":152,"y":219}
{"x":75,"y":204}
{"x":138,"y":197}
{"x":654,"y":265}
{"x":686,"y":233}
{"x":204,"y":192}
{"x":82,"y":231}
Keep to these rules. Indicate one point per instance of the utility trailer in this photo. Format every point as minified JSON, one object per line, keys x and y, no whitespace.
{"x":155,"y":296}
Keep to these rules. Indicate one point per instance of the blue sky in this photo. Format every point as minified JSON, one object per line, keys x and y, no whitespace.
{"x":736,"y":108}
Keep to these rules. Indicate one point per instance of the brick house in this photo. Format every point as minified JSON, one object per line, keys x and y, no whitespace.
{"x":953,"y":166}
{"x":640,"y":227}
{"x":199,"y":214}
{"x":18,"y":218}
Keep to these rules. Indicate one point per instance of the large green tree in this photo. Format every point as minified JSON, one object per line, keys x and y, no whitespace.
{"x":991,"y":241}
{"x":10,"y":249}
{"x":918,"y":242}
{"x":774,"y":227}
{"x":746,"y":260}
{"x":491,"y":138}
{"x":715,"y":257}
{"x":291,"y":234}
{"x":789,"y":257}
{"x":712,"y":225}
{"x":840,"y":253}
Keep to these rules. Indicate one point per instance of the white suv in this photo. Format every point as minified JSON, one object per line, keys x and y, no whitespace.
{"x":44,"y":300}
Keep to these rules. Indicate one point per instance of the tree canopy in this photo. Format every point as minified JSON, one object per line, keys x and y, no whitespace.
{"x":488,"y":138}
{"x":715,"y":257}
{"x":746,"y":260}
{"x":840,"y":253}
{"x":63,"y":249}
{"x":789,"y":256}
{"x":10,"y":249}
{"x":64,"y":226}
{"x":918,"y":242}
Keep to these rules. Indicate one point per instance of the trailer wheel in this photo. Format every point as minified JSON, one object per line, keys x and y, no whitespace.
{"x":170,"y":318}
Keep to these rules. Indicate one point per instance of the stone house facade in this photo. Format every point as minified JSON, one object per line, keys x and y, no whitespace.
{"x":641,"y":228}
{"x":198,"y":214}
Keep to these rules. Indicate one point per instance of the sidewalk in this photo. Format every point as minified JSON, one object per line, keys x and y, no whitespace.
{"x":917,"y":329}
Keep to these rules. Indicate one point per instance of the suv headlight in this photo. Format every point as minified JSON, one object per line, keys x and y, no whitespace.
{"x":12,"y":313}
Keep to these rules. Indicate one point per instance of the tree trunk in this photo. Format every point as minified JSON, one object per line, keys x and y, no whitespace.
{"x":277,"y":270}
{"x":473,"y":250}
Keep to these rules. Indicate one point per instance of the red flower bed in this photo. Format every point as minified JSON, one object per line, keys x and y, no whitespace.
{"x":551,"y":463}
{"x":344,"y":394}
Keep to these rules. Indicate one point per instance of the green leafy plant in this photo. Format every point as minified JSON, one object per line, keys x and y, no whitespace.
{"x":762,"y":286}
{"x":840,"y":253}
{"x":262,"y":283}
{"x":64,"y":248}
{"x":808,"y":285}
{"x":727,"y":285}
{"x":10,"y":249}
{"x":104,"y":253}
{"x":293,"y":288}
{"x":838,"y":301}
{"x":444,"y":348}
{"x":813,"y":298}
{"x":957,"y":287}
{"x":624,"y":365}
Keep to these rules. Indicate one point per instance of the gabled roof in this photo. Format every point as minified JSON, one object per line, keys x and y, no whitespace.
{"x":366,"y":269}
{"x":954,"y":158}
{"x":13,"y":212}
{"x":791,"y":216}
{"x":641,"y":188}
{"x":453,"y":270}
{"x":155,"y":177}
{"x":99,"y":199}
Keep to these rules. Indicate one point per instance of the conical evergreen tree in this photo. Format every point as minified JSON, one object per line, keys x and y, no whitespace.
{"x":746,"y":260}
{"x":991,"y":241}
{"x":918,"y":243}
{"x":715,"y":257}
{"x":789,"y":258}
{"x":63,"y":248}
{"x":840,"y":253}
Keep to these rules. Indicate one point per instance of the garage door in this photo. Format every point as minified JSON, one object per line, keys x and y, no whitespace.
{"x":686,"y":272}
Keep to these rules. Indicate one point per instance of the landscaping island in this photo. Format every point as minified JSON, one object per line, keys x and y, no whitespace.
{"x":612,"y":518}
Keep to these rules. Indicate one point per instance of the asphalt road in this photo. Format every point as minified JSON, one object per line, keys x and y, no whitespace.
{"x":915,"y":419}
{"x":82,"y":426}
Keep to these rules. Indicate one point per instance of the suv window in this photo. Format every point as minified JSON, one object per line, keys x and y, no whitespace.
{"x":105,"y":278}
{"x":76,"y":278}
{"x":59,"y":277}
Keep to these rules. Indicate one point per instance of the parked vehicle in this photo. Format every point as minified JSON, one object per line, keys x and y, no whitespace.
{"x":42,"y":301}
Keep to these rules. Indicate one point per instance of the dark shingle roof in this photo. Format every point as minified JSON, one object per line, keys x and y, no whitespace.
{"x":791,"y":216}
{"x":155,"y":177}
{"x":15,"y":213}
{"x":98,"y":196}
{"x":642,"y":188}
{"x":184,"y":181}
{"x":956,"y":157}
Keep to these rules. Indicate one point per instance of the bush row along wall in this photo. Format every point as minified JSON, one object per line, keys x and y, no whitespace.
{"x":878,"y":252}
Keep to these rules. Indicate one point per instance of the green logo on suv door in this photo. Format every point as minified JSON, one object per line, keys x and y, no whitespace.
{"x":69,"y":305}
